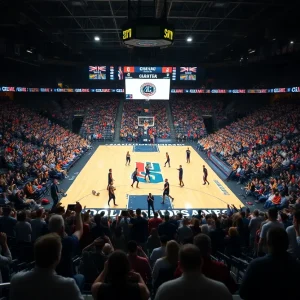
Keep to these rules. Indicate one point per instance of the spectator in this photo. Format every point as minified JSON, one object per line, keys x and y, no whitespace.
{"x":153,"y":240}
{"x":38,"y":225}
{"x":154,"y":222}
{"x":165,"y":267}
{"x":263,"y":272}
{"x":119,"y":240}
{"x":93,"y":260}
{"x":42,"y":282}
{"x":7,"y":222}
{"x":70,"y":244}
{"x":167,"y":228}
{"x":23,"y":228}
{"x":294,"y":236}
{"x":139,"y":263}
{"x":212,"y":269}
{"x":160,"y":251}
{"x":184,"y":232}
{"x":117,"y":281}
{"x":233,"y":243}
{"x":139,"y":229}
{"x":254,"y":225}
{"x":5,"y":255}
{"x":272,"y":223}
{"x":192,"y":282}
{"x":195,"y":227}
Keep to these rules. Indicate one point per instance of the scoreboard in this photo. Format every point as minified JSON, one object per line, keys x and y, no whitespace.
{"x":152,"y":83}
{"x":148,"y":72}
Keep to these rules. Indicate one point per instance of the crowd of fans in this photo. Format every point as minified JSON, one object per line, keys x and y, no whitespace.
{"x":33,"y":150}
{"x":263,"y":151}
{"x":137,"y":257}
{"x":99,"y":119}
{"x":188,"y":123}
{"x":131,"y":131}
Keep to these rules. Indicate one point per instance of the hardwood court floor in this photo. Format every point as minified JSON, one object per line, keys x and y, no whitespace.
{"x":193,"y":195}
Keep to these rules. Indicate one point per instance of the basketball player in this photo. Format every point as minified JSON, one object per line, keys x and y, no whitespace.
{"x":134,"y":178}
{"x":111,"y":194}
{"x":205,"y":174}
{"x":127,"y":158}
{"x":166,"y":191}
{"x":152,"y":140}
{"x":180,"y":176}
{"x":150,"y":200}
{"x":168,"y":159}
{"x":188,"y":155}
{"x":147,"y":171}
{"x":110,"y":178}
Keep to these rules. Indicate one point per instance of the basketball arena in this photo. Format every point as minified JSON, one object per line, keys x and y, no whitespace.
{"x":149,"y":149}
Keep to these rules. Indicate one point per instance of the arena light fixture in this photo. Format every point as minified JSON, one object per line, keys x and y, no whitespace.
{"x":291,"y":42}
{"x":97,"y":38}
{"x":189,"y":39}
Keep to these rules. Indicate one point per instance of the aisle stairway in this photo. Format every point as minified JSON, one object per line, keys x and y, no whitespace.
{"x":171,"y":122}
{"x":118,"y":121}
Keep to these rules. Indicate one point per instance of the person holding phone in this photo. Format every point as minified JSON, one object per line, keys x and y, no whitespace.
{"x":150,"y":200}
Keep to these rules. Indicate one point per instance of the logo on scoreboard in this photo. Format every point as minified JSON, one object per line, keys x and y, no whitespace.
{"x":148,"y":89}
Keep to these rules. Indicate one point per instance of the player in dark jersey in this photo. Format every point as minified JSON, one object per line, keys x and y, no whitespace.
{"x":134,"y":178}
{"x":205,"y":174}
{"x":110,"y":178}
{"x":180,"y":176}
{"x":111,"y":194}
{"x":168,"y":159}
{"x":188,"y":155}
{"x":166,"y":191}
{"x":147,"y":172}
{"x":127,"y":158}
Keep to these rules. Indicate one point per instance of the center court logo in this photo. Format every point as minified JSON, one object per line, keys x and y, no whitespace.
{"x":155,"y":172}
{"x":148,"y":89}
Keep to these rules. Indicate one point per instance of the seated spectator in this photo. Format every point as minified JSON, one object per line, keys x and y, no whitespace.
{"x":116,"y":281}
{"x":23,"y":228}
{"x":139,"y":261}
{"x":42,"y":282}
{"x":263,"y":272}
{"x":160,"y":251}
{"x":165,"y":267}
{"x":192,"y":282}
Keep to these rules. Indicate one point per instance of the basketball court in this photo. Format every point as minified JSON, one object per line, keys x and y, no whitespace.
{"x":188,"y":199}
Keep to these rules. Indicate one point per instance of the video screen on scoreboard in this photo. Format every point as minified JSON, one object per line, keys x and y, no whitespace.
{"x":188,"y":73}
{"x":97,"y":72}
{"x":151,"y":83}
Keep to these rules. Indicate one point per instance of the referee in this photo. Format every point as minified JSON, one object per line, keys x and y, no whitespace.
{"x":188,"y":155}
{"x":180,"y":176}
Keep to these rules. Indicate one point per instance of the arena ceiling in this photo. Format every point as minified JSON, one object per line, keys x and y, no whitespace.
{"x":220,"y":29}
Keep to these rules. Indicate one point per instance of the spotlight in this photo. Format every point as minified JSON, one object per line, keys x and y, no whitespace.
{"x":189,"y":39}
{"x":291,"y":42}
{"x":97,"y":38}
{"x":29,"y":51}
